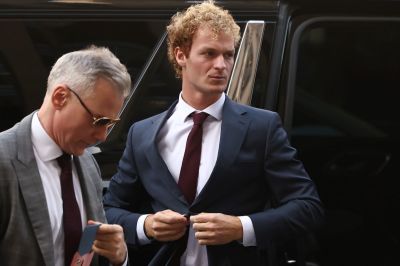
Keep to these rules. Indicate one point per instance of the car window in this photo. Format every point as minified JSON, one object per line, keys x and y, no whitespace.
{"x":33,"y":46}
{"x":351,"y":73}
{"x":29,"y":48}
{"x":346,"y":129}
{"x":155,"y":90}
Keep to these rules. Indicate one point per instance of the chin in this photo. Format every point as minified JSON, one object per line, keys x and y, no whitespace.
{"x":216,"y":88}
{"x":219,"y":89}
{"x":78,"y":152}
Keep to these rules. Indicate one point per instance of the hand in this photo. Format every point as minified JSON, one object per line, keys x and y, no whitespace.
{"x":216,"y":228}
{"x":110,"y":243}
{"x":165,"y":225}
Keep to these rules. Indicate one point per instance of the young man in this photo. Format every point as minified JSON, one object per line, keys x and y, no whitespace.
{"x":222,"y":215}
{"x":46,"y":201}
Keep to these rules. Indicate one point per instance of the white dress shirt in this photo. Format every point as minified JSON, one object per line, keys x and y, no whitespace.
{"x":171,"y":142}
{"x":46,"y":152}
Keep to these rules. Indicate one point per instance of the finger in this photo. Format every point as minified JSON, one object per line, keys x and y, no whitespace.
{"x":100,"y":251}
{"x":169,"y":231}
{"x":114,"y":255}
{"x":205,"y":239}
{"x":208,"y":238}
{"x":110,"y":237}
{"x":207,"y":242}
{"x":202,"y":217}
{"x":158,"y":225}
{"x":108,"y":243}
{"x":170,"y":218}
{"x":169,"y":237}
{"x":110,"y":229}
{"x":201,"y":226}
{"x":93,"y":222}
{"x":103,"y":244}
{"x":168,"y":227}
{"x":109,"y":240}
{"x":204,"y":235}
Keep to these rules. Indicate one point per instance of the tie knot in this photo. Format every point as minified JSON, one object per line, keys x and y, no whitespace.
{"x":64,"y":161}
{"x":198,"y":118}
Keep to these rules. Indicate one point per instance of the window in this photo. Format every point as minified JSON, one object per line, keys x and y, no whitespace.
{"x":156,"y":90}
{"x":32,"y":47}
{"x":346,"y":129}
{"x":347,"y":77}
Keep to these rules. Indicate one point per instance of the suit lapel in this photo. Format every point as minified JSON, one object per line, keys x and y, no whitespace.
{"x":32,"y":190}
{"x":90,"y":195}
{"x":234,"y":126}
{"x":154,"y":158}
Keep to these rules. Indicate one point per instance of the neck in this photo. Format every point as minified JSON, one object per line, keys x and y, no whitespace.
{"x":45,"y":119}
{"x":200,"y":101}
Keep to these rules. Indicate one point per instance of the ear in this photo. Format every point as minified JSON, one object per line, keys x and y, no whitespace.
{"x":180,"y":56}
{"x":59,"y":97}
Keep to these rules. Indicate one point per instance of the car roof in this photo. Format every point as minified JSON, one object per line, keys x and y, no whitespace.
{"x":154,"y":4}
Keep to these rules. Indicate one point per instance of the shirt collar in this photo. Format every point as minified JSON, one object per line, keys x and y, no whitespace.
{"x":43,"y":144}
{"x":183,"y":110}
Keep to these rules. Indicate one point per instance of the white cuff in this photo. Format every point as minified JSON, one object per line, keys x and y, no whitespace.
{"x":249,"y":237}
{"x":143,"y":239}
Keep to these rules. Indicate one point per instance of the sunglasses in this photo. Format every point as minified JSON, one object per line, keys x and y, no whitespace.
{"x":97,"y":121}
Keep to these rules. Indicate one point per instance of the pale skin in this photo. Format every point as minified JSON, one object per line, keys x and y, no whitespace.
{"x":207,"y":67}
{"x":110,"y":243}
{"x":216,"y":228}
{"x":165,"y":225}
{"x":210,"y":228}
{"x":205,"y":74}
{"x":70,"y":126}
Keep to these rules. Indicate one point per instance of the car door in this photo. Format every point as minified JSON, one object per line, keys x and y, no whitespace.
{"x":339,"y":105}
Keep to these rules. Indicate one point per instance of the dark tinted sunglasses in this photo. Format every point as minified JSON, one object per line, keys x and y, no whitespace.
{"x":97,"y":121}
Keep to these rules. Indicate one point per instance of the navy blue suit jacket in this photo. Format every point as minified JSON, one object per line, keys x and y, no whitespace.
{"x":256,"y":174}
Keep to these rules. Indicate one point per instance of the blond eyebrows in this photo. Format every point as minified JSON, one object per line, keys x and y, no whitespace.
{"x":185,"y":24}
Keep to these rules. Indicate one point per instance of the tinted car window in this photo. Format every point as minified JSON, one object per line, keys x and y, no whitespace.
{"x":33,"y":46}
{"x":157,"y":88}
{"x":345,"y":126}
{"x":10,"y":104}
{"x":30,"y":47}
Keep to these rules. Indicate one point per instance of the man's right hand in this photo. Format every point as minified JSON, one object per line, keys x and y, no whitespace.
{"x":165,"y":225}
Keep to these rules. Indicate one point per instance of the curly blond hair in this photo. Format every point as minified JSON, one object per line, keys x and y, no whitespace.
{"x":184,"y":25}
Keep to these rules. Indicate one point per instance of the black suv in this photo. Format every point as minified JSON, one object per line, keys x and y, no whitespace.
{"x":329,"y":68}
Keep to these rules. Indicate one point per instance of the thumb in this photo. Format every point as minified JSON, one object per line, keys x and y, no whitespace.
{"x":93,"y":222}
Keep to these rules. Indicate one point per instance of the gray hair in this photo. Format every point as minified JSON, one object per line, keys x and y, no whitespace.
{"x":81,"y":69}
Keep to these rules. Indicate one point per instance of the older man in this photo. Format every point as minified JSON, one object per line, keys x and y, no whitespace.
{"x":50,"y":187}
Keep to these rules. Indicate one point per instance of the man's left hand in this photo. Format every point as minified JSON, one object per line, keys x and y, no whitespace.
{"x":216,"y":228}
{"x":110,"y":243}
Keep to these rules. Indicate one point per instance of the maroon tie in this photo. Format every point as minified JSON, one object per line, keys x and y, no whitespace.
{"x":71,"y":216}
{"x":191,"y":159}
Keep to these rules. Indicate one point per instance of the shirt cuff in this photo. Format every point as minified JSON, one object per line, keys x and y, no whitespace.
{"x":143,"y":239}
{"x":249,"y":237}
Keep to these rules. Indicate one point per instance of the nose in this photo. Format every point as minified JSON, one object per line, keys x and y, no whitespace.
{"x":219,"y":62}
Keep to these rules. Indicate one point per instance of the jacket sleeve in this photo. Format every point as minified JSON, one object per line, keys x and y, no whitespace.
{"x":296,"y":205}
{"x":125,"y":192}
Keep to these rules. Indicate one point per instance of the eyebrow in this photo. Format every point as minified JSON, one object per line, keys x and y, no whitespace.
{"x":208,"y":48}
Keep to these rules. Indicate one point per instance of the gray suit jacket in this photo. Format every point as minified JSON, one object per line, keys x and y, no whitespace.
{"x":25,"y":231}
